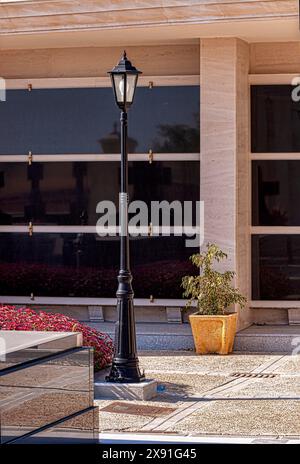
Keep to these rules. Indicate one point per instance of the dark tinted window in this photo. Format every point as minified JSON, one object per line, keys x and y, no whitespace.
{"x":275,"y":193}
{"x":67,"y":193}
{"x":276,"y":267}
{"x":86,"y":120}
{"x":166,"y":119}
{"x":85,"y":265}
{"x":275,"y":119}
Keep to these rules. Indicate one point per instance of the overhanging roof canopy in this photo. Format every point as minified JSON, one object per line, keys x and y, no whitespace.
{"x":97,"y":22}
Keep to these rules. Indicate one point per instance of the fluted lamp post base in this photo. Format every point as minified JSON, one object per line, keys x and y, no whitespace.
{"x":125,"y":372}
{"x":125,"y":364}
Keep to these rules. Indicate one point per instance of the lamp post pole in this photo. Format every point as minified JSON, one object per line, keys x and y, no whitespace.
{"x":125,"y":364}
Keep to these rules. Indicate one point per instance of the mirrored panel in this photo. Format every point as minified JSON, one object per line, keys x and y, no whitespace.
{"x":67,"y":193}
{"x":275,"y":193}
{"x":33,"y":396}
{"x":18,"y":356}
{"x":23,"y":416}
{"x":82,"y":428}
{"x":86,"y":120}
{"x":86,"y":265}
{"x":276,"y":267}
{"x":275,"y":119}
{"x":68,"y":371}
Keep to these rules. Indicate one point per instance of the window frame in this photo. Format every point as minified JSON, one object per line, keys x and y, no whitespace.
{"x":270,"y":79}
{"x":90,"y":82}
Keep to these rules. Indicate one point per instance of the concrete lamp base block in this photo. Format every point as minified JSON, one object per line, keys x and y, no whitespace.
{"x":125,"y":391}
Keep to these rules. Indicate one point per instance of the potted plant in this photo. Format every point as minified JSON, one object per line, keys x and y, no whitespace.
{"x":213,"y":293}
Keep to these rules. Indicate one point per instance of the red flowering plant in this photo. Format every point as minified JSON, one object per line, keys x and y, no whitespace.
{"x":12,"y":318}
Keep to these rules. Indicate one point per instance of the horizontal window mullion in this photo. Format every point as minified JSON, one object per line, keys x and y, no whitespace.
{"x":98,"y":82}
{"x":144,"y":230}
{"x":100,"y":157}
{"x":49,"y":229}
{"x":272,"y":79}
{"x":273,"y":304}
{"x":164,"y":230}
{"x":79,"y":301}
{"x":275,"y":156}
{"x":275,"y":230}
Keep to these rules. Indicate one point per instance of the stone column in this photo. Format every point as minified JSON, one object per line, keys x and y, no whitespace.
{"x":225,"y":163}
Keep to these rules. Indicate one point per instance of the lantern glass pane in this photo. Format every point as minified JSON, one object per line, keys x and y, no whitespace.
{"x":119,"y":81}
{"x":131,"y":84}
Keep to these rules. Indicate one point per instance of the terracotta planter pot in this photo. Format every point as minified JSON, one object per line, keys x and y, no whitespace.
{"x":213,"y":334}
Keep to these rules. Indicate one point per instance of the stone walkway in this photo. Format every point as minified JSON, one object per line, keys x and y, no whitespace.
{"x":253,"y":395}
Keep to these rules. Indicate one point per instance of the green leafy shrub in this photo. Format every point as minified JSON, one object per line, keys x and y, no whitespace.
{"x":212,"y":291}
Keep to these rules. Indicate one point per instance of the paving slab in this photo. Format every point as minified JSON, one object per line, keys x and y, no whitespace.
{"x":113,"y":422}
{"x":278,"y":387}
{"x":185,"y":385}
{"x":291,"y":366}
{"x":119,"y":438}
{"x":208,"y":400}
{"x":250,"y":417}
{"x":189,"y":362}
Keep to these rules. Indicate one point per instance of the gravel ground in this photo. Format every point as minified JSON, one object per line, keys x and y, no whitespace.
{"x":185,"y":385}
{"x":252,"y":418}
{"x":204,"y":364}
{"x":250,"y":407}
{"x":278,"y":387}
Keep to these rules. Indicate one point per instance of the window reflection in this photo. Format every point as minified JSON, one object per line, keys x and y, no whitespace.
{"x":68,"y":193}
{"x":275,"y":119}
{"x":85,"y":265}
{"x":275,"y":191}
{"x":111,"y":143}
{"x":276,"y":267}
{"x":86,"y":120}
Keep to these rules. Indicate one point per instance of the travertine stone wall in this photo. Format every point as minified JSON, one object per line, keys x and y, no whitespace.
{"x":224,"y":153}
{"x":275,"y":57}
{"x":159,"y":60}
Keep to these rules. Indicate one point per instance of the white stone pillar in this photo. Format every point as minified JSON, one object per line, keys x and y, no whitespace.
{"x":225,"y":163}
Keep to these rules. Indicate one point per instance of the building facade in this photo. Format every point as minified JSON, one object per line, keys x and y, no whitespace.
{"x":216,"y":118}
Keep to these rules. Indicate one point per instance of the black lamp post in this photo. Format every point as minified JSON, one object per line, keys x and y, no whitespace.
{"x":125,"y":365}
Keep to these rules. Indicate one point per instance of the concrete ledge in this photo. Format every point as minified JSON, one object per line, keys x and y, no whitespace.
{"x":165,"y":336}
{"x":275,"y":339}
{"x":176,"y":337}
{"x":125,"y":391}
{"x":263,"y":343}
